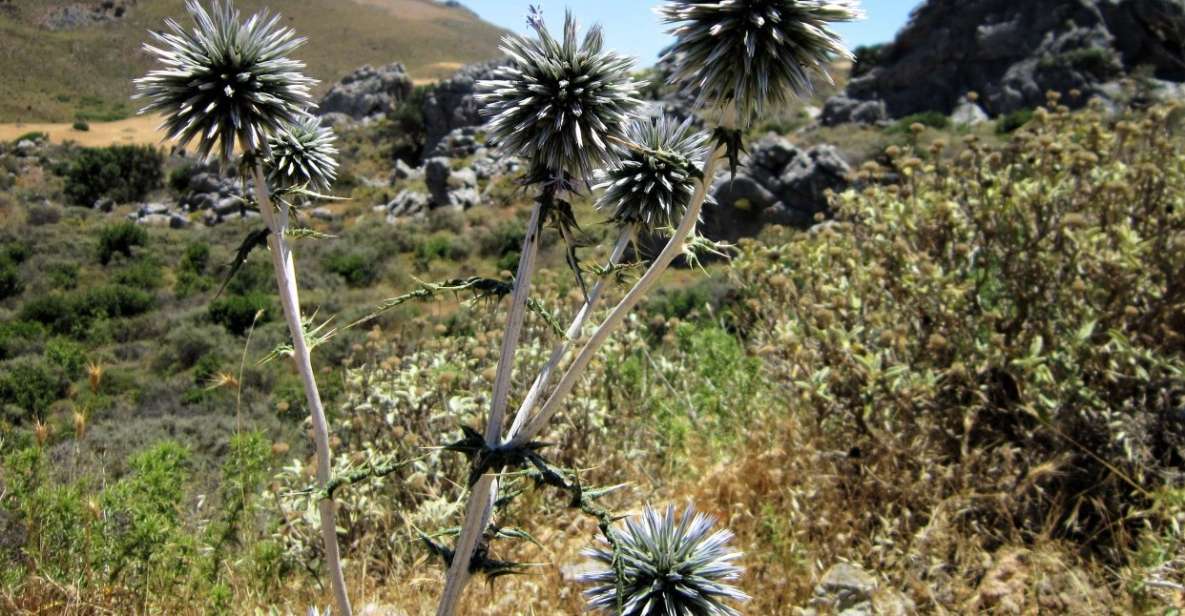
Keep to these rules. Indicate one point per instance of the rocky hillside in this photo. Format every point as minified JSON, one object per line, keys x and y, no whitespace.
{"x":65,"y":59}
{"x":1011,"y":53}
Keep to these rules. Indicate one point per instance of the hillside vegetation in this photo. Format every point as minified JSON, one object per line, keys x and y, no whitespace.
{"x":59,"y":75}
{"x":971,"y":383}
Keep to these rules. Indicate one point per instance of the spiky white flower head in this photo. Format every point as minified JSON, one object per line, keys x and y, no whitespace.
{"x":559,"y":103}
{"x":673,"y":566}
{"x":754,"y":53}
{"x":225,"y":81}
{"x":653,"y":179}
{"x":303,"y":153}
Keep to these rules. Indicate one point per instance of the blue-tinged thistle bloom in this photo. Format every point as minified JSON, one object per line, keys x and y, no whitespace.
{"x":653,"y":178}
{"x":754,"y":53}
{"x":225,"y":81}
{"x":303,"y":154}
{"x":672,"y":565}
{"x":559,"y":103}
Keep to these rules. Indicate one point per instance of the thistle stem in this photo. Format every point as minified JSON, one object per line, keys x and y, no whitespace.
{"x":481,"y":498}
{"x":285,"y":271}
{"x":672,"y":250}
{"x":562,"y":347}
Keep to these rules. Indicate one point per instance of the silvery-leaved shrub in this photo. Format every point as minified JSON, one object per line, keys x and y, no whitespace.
{"x":225,"y":81}
{"x":303,"y":154}
{"x":670,"y":565}
{"x":653,"y":178}
{"x":754,"y":54}
{"x":560,"y":104}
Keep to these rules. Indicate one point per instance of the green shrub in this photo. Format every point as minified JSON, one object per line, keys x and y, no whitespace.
{"x":81,"y":125}
{"x":359,"y":268}
{"x":15,"y":251}
{"x":145,"y":543}
{"x":67,"y":355}
{"x":19,"y":338}
{"x":441,"y":245}
{"x":931,"y":119}
{"x":121,"y":238}
{"x":1013,"y":121}
{"x":30,"y":385}
{"x":1015,"y":321}
{"x":117,"y":301}
{"x":144,"y":273}
{"x":196,"y":257}
{"x":62,"y":275}
{"x":237,"y":312}
{"x":506,"y":237}
{"x":122,"y":173}
{"x":33,"y":136}
{"x":72,"y":313}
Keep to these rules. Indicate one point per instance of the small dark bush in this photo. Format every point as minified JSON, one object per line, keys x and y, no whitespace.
{"x":32,"y":385}
{"x":41,"y":214}
{"x":120,"y":238}
{"x":81,"y":125}
{"x":196,"y":258}
{"x":237,"y":312}
{"x":15,"y":251}
{"x":867,"y":57}
{"x":359,"y":268}
{"x":123,"y":173}
{"x":503,"y":239}
{"x":1013,"y":121}
{"x":254,"y":277}
{"x":10,"y":280}
{"x":115,"y":301}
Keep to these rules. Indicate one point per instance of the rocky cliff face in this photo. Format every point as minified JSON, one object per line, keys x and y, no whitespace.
{"x":1012,"y":52}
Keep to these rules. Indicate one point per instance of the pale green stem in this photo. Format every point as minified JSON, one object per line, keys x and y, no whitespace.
{"x":285,"y":271}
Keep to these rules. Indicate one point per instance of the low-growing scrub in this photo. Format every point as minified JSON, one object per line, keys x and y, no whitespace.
{"x":122,"y":173}
{"x":120,"y":238}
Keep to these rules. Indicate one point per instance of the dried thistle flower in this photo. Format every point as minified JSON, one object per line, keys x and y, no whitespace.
{"x":559,"y":103}
{"x":303,"y":153}
{"x":754,"y":53}
{"x":653,"y":179}
{"x":673,"y":566}
{"x":225,"y":81}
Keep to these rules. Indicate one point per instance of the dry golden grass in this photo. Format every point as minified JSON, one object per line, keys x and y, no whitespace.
{"x":139,"y":130}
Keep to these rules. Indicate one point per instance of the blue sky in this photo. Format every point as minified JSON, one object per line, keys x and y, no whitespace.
{"x":631,"y":26}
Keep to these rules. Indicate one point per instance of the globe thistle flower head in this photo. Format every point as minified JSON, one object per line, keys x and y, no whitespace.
{"x":559,"y":103}
{"x":225,"y":81}
{"x":672,"y":566}
{"x":303,"y":154}
{"x":754,"y":53}
{"x":652,"y":180}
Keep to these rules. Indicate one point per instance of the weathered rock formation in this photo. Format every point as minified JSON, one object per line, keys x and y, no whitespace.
{"x":779,"y":184}
{"x":449,"y":105}
{"x":1013,"y":52}
{"x":367,"y":92}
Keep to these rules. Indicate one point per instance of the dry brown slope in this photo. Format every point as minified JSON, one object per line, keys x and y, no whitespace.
{"x":54,"y":76}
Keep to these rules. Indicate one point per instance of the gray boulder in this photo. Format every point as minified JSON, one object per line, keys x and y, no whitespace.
{"x":368,"y":92}
{"x":450,"y":187}
{"x":841,"y":109}
{"x":968,"y":114}
{"x":779,"y":184}
{"x":407,"y":203}
{"x":449,"y":105}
